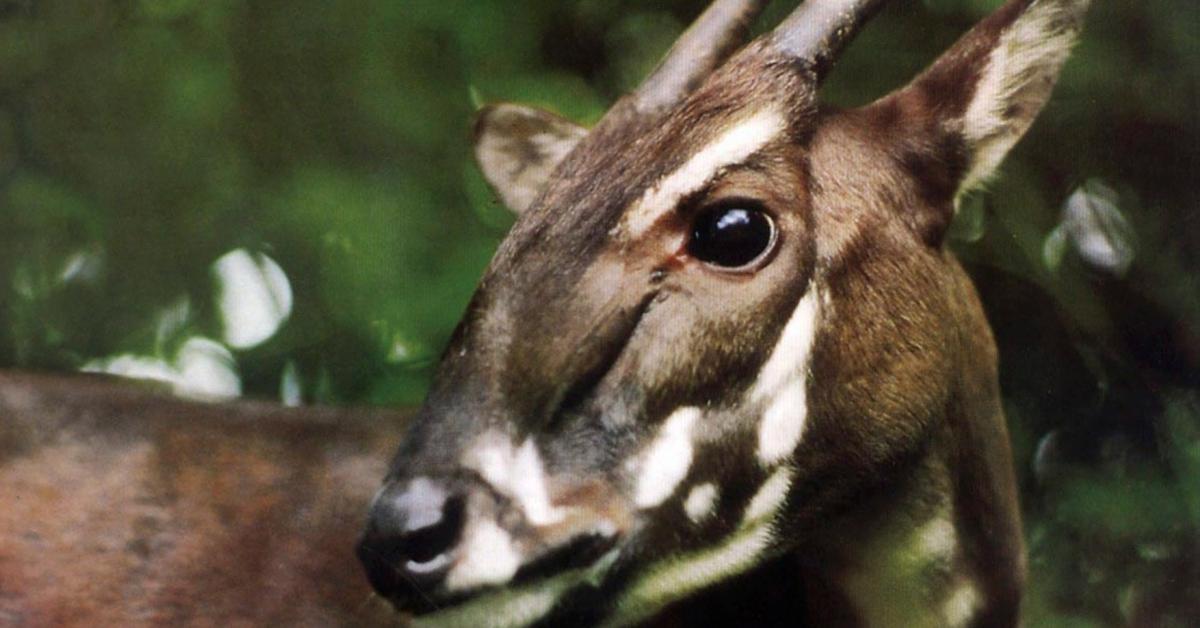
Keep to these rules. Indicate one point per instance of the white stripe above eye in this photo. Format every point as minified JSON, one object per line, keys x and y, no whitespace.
{"x":733,"y":146}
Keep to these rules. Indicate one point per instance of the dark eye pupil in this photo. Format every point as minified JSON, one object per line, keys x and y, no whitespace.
{"x":730,"y":237}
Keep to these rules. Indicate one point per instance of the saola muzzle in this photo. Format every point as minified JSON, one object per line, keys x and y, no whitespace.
{"x":725,"y":332}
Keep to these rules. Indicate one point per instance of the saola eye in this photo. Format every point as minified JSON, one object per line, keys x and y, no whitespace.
{"x":732,"y":235}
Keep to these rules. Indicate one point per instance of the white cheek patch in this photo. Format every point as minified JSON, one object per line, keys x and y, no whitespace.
{"x":487,"y":556}
{"x":701,"y":502}
{"x":784,"y":382}
{"x":668,"y":459}
{"x":516,"y":472}
{"x":783,"y":423}
{"x":732,"y":147}
{"x":528,"y":484}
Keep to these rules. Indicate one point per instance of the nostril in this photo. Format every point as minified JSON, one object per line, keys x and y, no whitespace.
{"x":428,"y":547}
{"x":411,"y":536}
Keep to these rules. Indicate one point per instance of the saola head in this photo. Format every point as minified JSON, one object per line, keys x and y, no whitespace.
{"x":724,"y":315}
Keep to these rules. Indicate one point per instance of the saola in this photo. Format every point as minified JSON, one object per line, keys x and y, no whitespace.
{"x":724,"y":334}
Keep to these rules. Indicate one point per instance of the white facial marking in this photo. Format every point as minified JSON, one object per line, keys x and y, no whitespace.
{"x":520,"y":605}
{"x":960,"y":607}
{"x":770,"y":496}
{"x":784,"y":380}
{"x":668,"y":459}
{"x":700,"y":502}
{"x":676,"y":578}
{"x":517,"y":473}
{"x":1032,"y":49}
{"x":487,"y":557}
{"x":429,"y":566}
{"x":783,"y":423}
{"x":732,"y":147}
{"x":529,"y":486}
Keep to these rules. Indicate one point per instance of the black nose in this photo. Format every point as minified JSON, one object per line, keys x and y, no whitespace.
{"x":412,"y":532}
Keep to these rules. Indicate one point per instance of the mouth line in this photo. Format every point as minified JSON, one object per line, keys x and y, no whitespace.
{"x":522,"y":602}
{"x":582,"y":552}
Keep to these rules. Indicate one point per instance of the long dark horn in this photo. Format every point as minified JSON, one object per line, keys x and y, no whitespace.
{"x":715,"y":35}
{"x":818,"y":30}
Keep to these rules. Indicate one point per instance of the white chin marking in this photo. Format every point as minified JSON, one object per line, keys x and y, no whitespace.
{"x":733,"y":146}
{"x":487,"y":557}
{"x":784,"y":381}
{"x":700,"y":502}
{"x":676,"y":578}
{"x":516,"y":472}
{"x":770,"y":497}
{"x":510,"y":607}
{"x":667,"y":461}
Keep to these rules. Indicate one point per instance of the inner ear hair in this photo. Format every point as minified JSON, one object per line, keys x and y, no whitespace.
{"x":518,"y":147}
{"x":991,"y":85}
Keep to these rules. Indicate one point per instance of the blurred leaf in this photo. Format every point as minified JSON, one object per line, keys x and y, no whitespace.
{"x":1055,"y":248}
{"x":970,"y":220}
{"x":167,"y":9}
{"x":1098,"y":230}
{"x":1181,"y":427}
{"x":254,"y":297}
{"x":291,"y":389}
{"x":1122,"y":508}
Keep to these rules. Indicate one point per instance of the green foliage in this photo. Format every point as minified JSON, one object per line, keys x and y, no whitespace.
{"x":142,"y":140}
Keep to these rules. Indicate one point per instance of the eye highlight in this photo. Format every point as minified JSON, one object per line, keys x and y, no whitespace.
{"x":732,"y":235}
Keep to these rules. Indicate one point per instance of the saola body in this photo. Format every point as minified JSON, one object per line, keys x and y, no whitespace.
{"x":123,"y":506}
{"x":725,"y":335}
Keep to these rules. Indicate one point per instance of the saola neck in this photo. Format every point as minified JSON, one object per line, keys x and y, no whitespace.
{"x":913,"y":554}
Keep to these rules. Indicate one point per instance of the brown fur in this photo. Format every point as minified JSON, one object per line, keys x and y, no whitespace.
{"x":587,"y":333}
{"x":125,"y":507}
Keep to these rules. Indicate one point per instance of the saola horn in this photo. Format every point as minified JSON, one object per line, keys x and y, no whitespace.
{"x":817,"y":31}
{"x":711,"y":39}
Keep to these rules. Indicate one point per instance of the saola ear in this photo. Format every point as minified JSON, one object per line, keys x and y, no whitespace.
{"x":980,"y":96}
{"x":518,"y":148}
